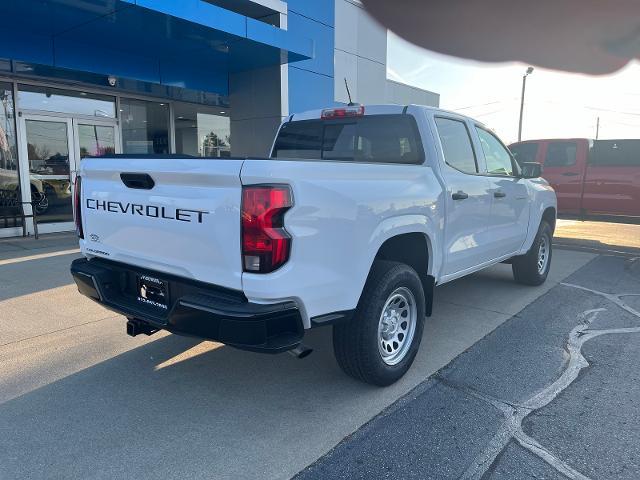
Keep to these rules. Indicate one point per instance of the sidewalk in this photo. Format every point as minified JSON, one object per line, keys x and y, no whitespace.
{"x":602,"y":237}
{"x":15,"y":248}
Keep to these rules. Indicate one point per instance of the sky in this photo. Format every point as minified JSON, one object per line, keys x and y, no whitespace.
{"x":557,"y":105}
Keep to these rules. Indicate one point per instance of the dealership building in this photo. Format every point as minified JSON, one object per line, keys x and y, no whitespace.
{"x":210,"y":78}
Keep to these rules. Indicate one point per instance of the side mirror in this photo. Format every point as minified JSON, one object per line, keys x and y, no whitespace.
{"x":531,"y":170}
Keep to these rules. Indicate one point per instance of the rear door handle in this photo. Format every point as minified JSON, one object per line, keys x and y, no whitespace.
{"x":499,"y":194}
{"x":459,"y":195}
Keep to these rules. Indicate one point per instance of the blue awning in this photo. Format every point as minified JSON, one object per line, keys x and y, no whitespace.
{"x":185,"y":43}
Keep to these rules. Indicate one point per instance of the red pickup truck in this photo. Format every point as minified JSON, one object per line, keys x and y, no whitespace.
{"x":590,"y":177}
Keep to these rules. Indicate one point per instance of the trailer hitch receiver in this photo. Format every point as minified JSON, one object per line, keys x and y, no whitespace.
{"x":137,"y":327}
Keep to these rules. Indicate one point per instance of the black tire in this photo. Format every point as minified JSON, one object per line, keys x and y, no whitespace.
{"x":356,"y":342}
{"x":525,"y":267}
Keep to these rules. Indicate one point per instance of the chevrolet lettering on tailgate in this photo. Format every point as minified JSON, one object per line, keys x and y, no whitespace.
{"x":154,"y":211}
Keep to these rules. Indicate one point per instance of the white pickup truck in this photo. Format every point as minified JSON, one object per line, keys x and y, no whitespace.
{"x":356,"y":216}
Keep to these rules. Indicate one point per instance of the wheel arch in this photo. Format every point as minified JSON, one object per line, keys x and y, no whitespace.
{"x":545,"y":210}
{"x":415,"y":249}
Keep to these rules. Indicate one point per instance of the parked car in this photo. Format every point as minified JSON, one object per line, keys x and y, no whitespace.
{"x":355,"y":217}
{"x":590,"y":177}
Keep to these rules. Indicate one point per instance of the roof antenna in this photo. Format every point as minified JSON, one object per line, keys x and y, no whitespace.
{"x":346,"y":84}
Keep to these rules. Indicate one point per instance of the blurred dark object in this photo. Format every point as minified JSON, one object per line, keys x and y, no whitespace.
{"x":12,"y":209}
{"x":585,"y":36}
{"x":531,"y":170}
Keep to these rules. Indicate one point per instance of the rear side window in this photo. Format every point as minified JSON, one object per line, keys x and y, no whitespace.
{"x":621,"y":153}
{"x":456,"y":145}
{"x":375,"y":138}
{"x":560,"y":154}
{"x":525,"y":152}
{"x":299,"y":140}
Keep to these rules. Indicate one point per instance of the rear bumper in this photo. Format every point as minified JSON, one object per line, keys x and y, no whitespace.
{"x":194,"y":308}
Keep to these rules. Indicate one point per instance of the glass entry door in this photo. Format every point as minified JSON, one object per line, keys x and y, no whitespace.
{"x":51,"y":151}
{"x":48,"y":148}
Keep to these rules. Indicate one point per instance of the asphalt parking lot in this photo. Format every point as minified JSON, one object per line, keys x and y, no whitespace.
{"x":510,"y":382}
{"x":552,"y":393}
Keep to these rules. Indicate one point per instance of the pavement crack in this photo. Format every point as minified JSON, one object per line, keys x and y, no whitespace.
{"x":534,"y":447}
{"x":511,"y":428}
{"x":615,"y":298}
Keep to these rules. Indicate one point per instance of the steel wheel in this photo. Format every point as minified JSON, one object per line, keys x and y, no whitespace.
{"x":543,"y":254}
{"x":397,"y":326}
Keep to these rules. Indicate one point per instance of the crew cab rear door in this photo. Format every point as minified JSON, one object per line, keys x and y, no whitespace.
{"x":564,"y":168}
{"x":179,"y":216}
{"x":468,"y":201}
{"x":612,"y":181}
{"x":510,"y":205}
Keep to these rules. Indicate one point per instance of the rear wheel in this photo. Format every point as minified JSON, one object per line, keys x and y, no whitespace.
{"x":379,"y":344}
{"x":533,"y":267}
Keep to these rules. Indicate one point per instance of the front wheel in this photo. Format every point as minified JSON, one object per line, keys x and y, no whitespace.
{"x":379,"y":344}
{"x":533,"y":267}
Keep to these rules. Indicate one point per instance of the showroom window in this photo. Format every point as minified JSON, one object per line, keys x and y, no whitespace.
{"x":9,"y":191}
{"x":202,"y":131}
{"x":145,"y":126}
{"x":31,"y":97}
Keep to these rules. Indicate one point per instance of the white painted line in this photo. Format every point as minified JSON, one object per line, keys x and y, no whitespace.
{"x":39,"y":256}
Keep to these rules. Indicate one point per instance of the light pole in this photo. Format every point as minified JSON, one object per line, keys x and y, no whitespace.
{"x":524,"y":86}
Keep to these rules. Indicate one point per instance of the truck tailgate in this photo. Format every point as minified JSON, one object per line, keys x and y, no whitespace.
{"x":187,"y":224}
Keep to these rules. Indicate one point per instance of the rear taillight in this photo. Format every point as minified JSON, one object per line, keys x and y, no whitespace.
{"x":265,"y":242}
{"x":77,"y":203}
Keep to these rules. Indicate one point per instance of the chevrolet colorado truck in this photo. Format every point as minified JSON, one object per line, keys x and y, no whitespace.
{"x":358,"y":213}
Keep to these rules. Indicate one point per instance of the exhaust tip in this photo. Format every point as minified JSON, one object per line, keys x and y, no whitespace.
{"x":301,"y":351}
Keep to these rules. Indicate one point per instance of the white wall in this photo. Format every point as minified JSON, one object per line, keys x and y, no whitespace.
{"x":361,"y":58}
{"x":402,"y":94}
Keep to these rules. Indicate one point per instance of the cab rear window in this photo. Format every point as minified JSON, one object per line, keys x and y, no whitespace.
{"x":373,"y":139}
{"x":618,"y":153}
